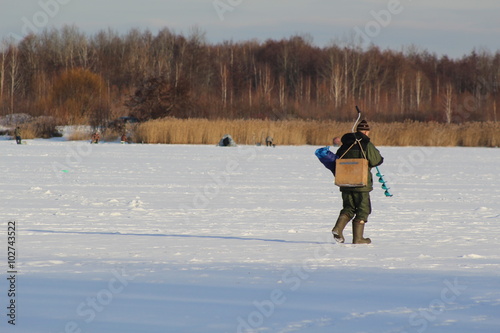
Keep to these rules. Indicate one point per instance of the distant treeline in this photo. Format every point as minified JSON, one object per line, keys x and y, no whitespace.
{"x":78,"y":78}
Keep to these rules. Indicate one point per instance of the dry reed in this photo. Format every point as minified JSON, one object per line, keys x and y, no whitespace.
{"x":302,"y":132}
{"x":80,"y":134}
{"x":42,"y":127}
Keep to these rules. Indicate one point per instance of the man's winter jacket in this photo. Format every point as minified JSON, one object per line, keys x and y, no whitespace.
{"x":372,"y":154}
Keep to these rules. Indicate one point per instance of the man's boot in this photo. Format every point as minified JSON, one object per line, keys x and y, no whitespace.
{"x":339,"y":227}
{"x":358,"y":227}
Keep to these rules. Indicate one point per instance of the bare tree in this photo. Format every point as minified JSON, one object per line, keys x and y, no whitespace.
{"x":3,"y":55}
{"x":401,"y":91}
{"x":267,"y":83}
{"x":448,"y":102}
{"x":224,"y":81}
{"x":158,"y":98}
{"x":14,"y":69}
{"x":336,"y":78}
{"x":418,"y":89}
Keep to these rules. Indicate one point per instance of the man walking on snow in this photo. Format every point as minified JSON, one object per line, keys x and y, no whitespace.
{"x":356,"y":200}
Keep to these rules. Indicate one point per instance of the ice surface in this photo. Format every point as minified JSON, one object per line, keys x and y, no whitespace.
{"x":180,"y":238}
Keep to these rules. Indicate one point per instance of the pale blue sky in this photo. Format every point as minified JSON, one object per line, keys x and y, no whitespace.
{"x":452,"y":27}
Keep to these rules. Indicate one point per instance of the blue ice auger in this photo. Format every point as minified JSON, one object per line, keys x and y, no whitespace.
{"x":383,"y":182}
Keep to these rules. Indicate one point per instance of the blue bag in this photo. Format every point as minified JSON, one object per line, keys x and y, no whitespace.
{"x":326,"y":157}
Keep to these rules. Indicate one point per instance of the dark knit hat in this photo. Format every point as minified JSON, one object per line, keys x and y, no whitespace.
{"x":363,"y":126}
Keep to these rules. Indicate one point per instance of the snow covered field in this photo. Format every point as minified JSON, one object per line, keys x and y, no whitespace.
{"x":171,"y":238}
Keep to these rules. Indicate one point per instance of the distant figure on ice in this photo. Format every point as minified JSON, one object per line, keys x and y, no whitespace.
{"x":95,"y":137}
{"x":356,"y":200}
{"x":227,"y":141}
{"x":269,"y":141}
{"x":17,"y":134}
{"x":337,"y":142}
{"x":124,"y":138}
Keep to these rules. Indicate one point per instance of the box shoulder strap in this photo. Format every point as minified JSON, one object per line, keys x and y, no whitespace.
{"x":358,"y":141}
{"x":361,"y":147}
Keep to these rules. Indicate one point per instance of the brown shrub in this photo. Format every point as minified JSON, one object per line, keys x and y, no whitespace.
{"x":42,"y":127}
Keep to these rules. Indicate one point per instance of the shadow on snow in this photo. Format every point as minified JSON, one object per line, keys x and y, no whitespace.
{"x":181,"y":236}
